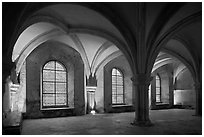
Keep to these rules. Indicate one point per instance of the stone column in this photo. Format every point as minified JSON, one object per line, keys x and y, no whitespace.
{"x":91,"y":88}
{"x":6,"y":96}
{"x":198,"y":90}
{"x":141,"y":83}
{"x":153,"y":93}
{"x":91,"y":98}
{"x":171,"y":91}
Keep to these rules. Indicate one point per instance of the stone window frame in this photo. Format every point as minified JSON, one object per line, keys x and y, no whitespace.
{"x":157,"y":77}
{"x":41,"y":92}
{"x":123,"y":103}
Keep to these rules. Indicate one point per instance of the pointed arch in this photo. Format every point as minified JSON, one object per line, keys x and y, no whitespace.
{"x":102,"y":48}
{"x":168,"y":35}
{"x":32,"y":45}
{"x":80,"y":47}
{"x":107,"y":59}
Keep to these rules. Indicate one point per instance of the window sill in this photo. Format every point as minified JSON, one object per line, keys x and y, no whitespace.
{"x":122,"y":105}
{"x":44,"y":109}
{"x":160,"y":103}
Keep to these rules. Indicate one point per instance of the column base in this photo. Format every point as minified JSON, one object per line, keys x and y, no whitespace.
{"x":146,"y":123}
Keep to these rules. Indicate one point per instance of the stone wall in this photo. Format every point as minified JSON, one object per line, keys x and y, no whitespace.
{"x":164,"y":87}
{"x":99,"y":94}
{"x":165,"y":73}
{"x":71,"y":59}
{"x":22,"y":89}
{"x":186,"y":98}
{"x":184,"y":93}
{"x":122,"y":64}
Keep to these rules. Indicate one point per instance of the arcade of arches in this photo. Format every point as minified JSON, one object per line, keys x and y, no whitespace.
{"x":72,"y":59}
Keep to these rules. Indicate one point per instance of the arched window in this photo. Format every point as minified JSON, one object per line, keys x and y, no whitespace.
{"x":117,"y":87}
{"x":54,"y":85}
{"x":158,"y":89}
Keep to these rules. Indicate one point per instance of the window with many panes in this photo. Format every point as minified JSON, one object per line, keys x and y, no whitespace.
{"x":158,"y":88}
{"x":117,"y":87}
{"x":54,"y":85}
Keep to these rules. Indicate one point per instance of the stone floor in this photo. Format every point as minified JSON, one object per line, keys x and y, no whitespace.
{"x":166,"y":122}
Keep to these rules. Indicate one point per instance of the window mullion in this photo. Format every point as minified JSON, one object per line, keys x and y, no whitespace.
{"x":116,"y":88}
{"x":55,"y":82}
{"x":42,"y":89}
{"x":160,"y":88}
{"x":67,"y":88}
{"x":123,"y":89}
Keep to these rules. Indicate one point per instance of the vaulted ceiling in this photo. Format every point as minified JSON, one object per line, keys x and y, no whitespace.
{"x":165,"y":59}
{"x":93,"y":49}
{"x":84,"y":26}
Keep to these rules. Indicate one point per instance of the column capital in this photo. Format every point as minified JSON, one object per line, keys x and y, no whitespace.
{"x":91,"y":81}
{"x":141,"y":79}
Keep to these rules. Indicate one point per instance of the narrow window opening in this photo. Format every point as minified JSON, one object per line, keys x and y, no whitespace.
{"x":117,"y":87}
{"x":158,"y":89}
{"x":54,"y":85}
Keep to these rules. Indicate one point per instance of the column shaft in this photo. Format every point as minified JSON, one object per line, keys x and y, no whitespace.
{"x":198,"y":90}
{"x":141,"y":83}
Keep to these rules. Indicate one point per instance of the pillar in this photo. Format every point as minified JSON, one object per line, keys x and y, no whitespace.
{"x":7,"y":66}
{"x":91,"y":88}
{"x":198,"y":90}
{"x":6,"y":96}
{"x":171,"y":91}
{"x":91,"y":98}
{"x":141,"y":83}
{"x":153,"y":93}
